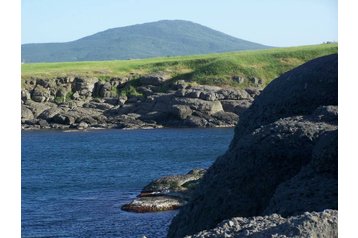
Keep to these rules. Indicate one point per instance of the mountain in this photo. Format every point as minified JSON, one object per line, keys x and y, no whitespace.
{"x":155,"y":39}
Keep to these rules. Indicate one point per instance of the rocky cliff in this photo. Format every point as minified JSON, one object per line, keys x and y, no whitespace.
{"x":283,"y":159}
{"x":148,"y":101}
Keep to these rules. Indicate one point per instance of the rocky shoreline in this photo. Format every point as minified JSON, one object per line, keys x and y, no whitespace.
{"x":151,"y":101}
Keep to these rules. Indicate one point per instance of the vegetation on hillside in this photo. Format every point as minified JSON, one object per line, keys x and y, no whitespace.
{"x":212,"y":69}
{"x":154,"y":39}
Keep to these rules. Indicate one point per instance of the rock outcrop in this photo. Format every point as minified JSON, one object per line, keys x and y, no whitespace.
{"x":156,"y":101}
{"x":166,"y":193}
{"x":282,"y":159}
{"x":310,"y":224}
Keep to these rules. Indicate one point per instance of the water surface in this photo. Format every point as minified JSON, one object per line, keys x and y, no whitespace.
{"x":74,"y":183}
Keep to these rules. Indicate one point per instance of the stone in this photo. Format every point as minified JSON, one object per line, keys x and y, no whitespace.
{"x":181,"y":111}
{"x":253,"y":92}
{"x":76,"y":96}
{"x":195,"y":121}
{"x":25,"y":95}
{"x":105,"y":90}
{"x":145,"y":90}
{"x":62,"y":119}
{"x":209,"y":96}
{"x":62,"y":92}
{"x":315,"y":187}
{"x":43,"y":124}
{"x":153,"y":204}
{"x":166,"y":193}
{"x":180,"y":84}
{"x":122,"y":100}
{"x":192,"y":94}
{"x":49,"y":113}
{"x":279,"y":145}
{"x":226,"y":118}
{"x":254,"y":80}
{"x":210,"y":107}
{"x":97,"y":105}
{"x":37,"y":108}
{"x":232,"y":94}
{"x":315,"y":224}
{"x":82,"y":125}
{"x":40,"y":94}
{"x":235,"y":106}
{"x":26,"y":113}
{"x":154,"y":79}
{"x":84,"y":87}
{"x":238,"y":79}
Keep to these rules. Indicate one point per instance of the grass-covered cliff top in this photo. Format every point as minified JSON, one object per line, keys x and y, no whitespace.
{"x":212,"y":69}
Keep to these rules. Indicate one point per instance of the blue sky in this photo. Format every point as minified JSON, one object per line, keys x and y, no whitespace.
{"x":270,"y":22}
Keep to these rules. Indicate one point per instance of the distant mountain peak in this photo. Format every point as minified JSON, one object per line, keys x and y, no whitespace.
{"x":152,"y":39}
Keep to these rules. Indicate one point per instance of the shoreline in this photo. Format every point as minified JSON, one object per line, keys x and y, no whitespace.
{"x":121,"y":129}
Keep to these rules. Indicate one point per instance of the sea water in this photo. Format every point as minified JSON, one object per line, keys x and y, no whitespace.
{"x":74,"y":183}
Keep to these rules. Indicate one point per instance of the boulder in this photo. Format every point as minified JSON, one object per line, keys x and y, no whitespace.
{"x":238,"y":79}
{"x":181,"y":111}
{"x":40,"y":94}
{"x":51,"y":112}
{"x":82,"y":125}
{"x":44,"y":124}
{"x":174,"y":183}
{"x":226,"y":118}
{"x":253,"y":92}
{"x":180,"y":84}
{"x":25,"y":95}
{"x":209,"y":107}
{"x":154,"y":79}
{"x":105,"y":90}
{"x":63,"y":119}
{"x":195,"y":121}
{"x":83,"y":87}
{"x":235,"y":106}
{"x":145,"y":90}
{"x":26,"y":113}
{"x":278,"y":142}
{"x":37,"y":108}
{"x":192,"y":94}
{"x":209,"y":96}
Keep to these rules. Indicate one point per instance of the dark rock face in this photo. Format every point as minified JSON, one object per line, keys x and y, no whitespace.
{"x":315,"y":186}
{"x":284,"y":149}
{"x":297,"y":92}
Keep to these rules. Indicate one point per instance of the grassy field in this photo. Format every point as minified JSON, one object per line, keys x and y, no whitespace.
{"x":211,"y":69}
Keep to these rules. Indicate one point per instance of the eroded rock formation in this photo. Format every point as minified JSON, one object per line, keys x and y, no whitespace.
{"x":282,"y":159}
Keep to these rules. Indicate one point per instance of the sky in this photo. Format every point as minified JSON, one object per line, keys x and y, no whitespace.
{"x":270,"y":22}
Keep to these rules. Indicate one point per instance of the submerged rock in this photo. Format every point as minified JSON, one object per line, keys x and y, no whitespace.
{"x":166,"y":193}
{"x":154,"y":204}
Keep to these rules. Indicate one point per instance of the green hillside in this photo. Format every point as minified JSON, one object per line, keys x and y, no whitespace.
{"x":212,"y":69}
{"x":162,"y":38}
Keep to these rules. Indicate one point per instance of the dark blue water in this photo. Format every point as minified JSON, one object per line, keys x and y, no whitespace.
{"x":74,"y":183}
